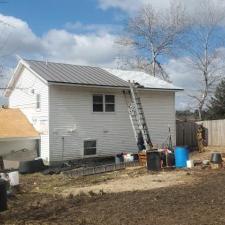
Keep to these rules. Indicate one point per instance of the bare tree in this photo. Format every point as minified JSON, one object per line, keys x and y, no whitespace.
{"x":153,"y":34}
{"x":202,"y":45}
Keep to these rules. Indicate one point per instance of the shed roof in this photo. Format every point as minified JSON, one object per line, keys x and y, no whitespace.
{"x":14,"y":124}
{"x":88,"y":75}
{"x":144,"y":79}
{"x":74,"y":74}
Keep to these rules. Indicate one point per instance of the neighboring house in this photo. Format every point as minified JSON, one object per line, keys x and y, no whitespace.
{"x":81,"y":111}
{"x":16,"y":133}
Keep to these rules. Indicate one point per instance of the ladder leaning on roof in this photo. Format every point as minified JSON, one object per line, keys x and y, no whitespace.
{"x":137,"y":117}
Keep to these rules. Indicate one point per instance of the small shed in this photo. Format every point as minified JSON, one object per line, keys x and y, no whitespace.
{"x":18,"y":138}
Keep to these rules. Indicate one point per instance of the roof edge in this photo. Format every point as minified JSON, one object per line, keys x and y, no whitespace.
{"x":19,"y":138}
{"x":12,"y":82}
{"x":114,"y":87}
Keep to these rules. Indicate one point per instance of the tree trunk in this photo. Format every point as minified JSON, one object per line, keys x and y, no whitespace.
{"x":200,"y":114}
{"x":154,"y":66}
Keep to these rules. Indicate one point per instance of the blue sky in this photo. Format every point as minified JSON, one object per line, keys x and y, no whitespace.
{"x":49,"y":29}
{"x":43,"y":15}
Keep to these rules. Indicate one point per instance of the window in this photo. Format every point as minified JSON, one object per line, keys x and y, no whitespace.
{"x":103,"y":103}
{"x":109,"y":103}
{"x":90,"y":147}
{"x":38,"y":101}
{"x":97,"y":103}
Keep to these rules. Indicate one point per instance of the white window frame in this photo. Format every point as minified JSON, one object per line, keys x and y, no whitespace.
{"x":104,"y":103}
{"x":109,"y":103}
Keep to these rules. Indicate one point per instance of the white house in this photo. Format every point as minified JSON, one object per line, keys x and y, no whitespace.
{"x":81,"y":111}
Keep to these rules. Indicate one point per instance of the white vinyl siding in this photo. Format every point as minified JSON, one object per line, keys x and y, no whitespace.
{"x":38,"y":101}
{"x":25,"y":97}
{"x":72,"y":120}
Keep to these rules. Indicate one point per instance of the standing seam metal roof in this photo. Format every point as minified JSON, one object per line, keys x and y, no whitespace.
{"x":67,"y":73}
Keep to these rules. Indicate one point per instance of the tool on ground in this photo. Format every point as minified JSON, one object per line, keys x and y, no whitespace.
{"x":168,"y":144}
{"x":137,"y":118}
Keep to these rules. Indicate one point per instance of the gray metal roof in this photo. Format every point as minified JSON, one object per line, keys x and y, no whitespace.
{"x":74,"y":74}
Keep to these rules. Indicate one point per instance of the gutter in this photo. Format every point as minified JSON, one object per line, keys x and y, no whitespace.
{"x":108,"y":86}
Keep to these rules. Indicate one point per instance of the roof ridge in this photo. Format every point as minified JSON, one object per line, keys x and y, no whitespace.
{"x":62,"y":63}
{"x":92,"y":75}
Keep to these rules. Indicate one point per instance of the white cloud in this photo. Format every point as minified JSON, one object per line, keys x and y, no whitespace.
{"x":16,"y":36}
{"x":92,"y":49}
{"x":96,"y":47}
{"x":182,"y":76}
{"x":130,"y":6}
{"x":79,"y":27}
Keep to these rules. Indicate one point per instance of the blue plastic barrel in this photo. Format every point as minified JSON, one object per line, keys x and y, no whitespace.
{"x":181,"y":156}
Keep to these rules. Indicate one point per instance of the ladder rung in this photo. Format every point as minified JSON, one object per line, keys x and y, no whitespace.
{"x":137,"y":114}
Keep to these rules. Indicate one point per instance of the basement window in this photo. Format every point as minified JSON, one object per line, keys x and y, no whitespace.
{"x":90,"y":147}
{"x":38,"y":101}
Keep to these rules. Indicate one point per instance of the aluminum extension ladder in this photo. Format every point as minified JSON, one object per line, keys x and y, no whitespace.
{"x":137,"y":117}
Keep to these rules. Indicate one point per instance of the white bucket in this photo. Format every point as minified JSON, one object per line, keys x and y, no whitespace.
{"x":128,"y":158}
{"x":13,"y":178}
{"x":190,"y":163}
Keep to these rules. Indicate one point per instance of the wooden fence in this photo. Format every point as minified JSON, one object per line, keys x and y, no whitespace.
{"x":186,"y":133}
{"x":215,"y":132}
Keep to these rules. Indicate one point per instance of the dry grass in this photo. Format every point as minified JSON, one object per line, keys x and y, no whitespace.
{"x":198,"y":200}
{"x":127,"y":197}
{"x":207,"y":153}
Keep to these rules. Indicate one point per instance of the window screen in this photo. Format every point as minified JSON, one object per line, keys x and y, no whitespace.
{"x":109,"y":103}
{"x":90,"y":147}
{"x":97,"y":103}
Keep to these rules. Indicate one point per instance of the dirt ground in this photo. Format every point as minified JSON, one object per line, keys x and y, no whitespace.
{"x":128,"y":197}
{"x":207,"y":153}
